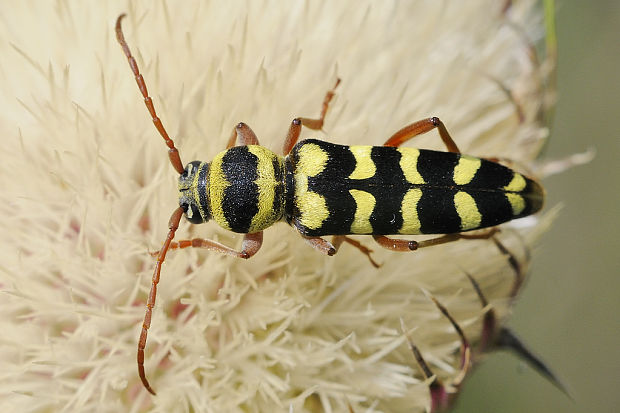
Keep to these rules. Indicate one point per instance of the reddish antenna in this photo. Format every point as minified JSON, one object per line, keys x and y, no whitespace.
{"x":173,"y":153}
{"x":173,"y":224}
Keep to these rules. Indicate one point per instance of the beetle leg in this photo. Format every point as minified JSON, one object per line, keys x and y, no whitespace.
{"x":337,"y":241}
{"x":292,"y":136}
{"x":315,"y":124}
{"x":420,"y":127}
{"x":331,"y":248}
{"x":320,"y":244}
{"x":403,"y":245}
{"x":250,"y":246}
{"x":242,"y":134}
{"x":481,"y":235}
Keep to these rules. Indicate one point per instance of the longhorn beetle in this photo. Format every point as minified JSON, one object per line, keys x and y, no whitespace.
{"x":321,"y":188}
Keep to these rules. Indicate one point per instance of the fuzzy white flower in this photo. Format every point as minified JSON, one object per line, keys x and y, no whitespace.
{"x":87,"y":191}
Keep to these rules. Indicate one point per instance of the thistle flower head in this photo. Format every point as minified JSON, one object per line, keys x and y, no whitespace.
{"x":87,"y":192}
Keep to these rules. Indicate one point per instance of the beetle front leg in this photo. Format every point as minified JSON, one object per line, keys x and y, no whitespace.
{"x":250,"y":245}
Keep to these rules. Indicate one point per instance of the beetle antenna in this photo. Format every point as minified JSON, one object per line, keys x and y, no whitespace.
{"x":173,"y":153}
{"x":173,"y":224}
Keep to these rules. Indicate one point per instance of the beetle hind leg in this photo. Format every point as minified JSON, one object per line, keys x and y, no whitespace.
{"x":404,"y":245}
{"x":420,"y":127}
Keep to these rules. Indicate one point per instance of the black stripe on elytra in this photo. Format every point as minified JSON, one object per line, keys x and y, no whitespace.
{"x":490,"y":176}
{"x":437,"y":212}
{"x":240,"y":203}
{"x":332,"y":184}
{"x":493,"y":206}
{"x":389,"y":187}
{"x":437,"y":168}
{"x":436,"y":209}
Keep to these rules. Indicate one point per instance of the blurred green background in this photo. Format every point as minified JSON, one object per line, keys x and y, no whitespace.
{"x":568,"y":312}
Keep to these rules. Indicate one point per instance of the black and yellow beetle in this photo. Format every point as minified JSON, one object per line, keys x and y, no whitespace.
{"x":321,"y":188}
